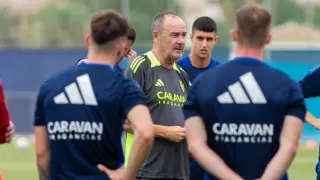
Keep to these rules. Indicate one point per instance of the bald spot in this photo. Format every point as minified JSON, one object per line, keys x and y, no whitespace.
{"x":173,"y":24}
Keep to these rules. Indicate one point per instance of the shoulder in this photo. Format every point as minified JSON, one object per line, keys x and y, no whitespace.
{"x":314,"y":72}
{"x":128,"y":83}
{"x":184,"y":62}
{"x":139,"y":63}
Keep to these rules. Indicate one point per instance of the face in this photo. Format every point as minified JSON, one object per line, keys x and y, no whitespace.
{"x":121,"y":50}
{"x":203,"y":43}
{"x":128,"y":46}
{"x":171,"y":39}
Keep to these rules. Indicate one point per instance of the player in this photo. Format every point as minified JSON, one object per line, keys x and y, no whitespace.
{"x":244,"y":119}
{"x":165,"y":85}
{"x":203,"y":38}
{"x":81,"y":111}
{"x":310,"y":86}
{"x":129,"y":52}
{"x":6,"y":126}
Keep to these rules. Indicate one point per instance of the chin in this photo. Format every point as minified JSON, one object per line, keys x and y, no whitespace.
{"x":203,"y":56}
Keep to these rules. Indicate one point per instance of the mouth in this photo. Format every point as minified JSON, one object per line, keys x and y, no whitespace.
{"x":178,"y":49}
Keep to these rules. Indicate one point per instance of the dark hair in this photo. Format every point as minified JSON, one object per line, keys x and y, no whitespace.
{"x":253,"y":24}
{"x":132,"y":35}
{"x":158,"y":20}
{"x":107,"y":26}
{"x":205,"y":24}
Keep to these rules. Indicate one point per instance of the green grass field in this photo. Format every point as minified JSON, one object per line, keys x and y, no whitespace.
{"x":20,"y":165}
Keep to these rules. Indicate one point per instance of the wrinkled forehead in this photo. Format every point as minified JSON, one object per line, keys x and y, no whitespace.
{"x":174,"y":24}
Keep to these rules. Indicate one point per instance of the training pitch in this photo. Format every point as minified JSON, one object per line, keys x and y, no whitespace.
{"x":20,"y":165}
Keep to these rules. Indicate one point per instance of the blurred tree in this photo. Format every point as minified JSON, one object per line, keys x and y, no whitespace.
{"x":64,"y":23}
{"x":9,"y":36}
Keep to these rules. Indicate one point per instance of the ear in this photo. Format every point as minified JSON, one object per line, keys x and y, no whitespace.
{"x":121,"y":46}
{"x":234,"y":35}
{"x":155,"y":35}
{"x":87,"y":40}
{"x":191,"y":35}
{"x":216,"y":38}
{"x":268,"y":39}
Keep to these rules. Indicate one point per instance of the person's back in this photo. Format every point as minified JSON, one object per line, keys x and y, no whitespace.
{"x":250,"y":106}
{"x":80,"y":112}
{"x":244,"y":119}
{"x":77,"y":100}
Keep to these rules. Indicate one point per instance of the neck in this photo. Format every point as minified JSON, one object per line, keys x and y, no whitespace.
{"x":165,"y":62}
{"x":199,"y":62}
{"x":243,"y":51}
{"x":101,"y":58}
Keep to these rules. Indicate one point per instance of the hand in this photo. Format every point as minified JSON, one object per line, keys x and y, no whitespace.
{"x":10,"y":132}
{"x":316,"y":124}
{"x":176,"y":133}
{"x":131,"y":54}
{"x":117,"y":174}
{"x":127,"y":126}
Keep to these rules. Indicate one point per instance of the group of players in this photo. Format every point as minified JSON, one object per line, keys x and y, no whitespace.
{"x":237,"y":120}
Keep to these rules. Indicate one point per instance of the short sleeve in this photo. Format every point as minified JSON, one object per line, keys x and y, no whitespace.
{"x":136,"y":70}
{"x":39,"y":115}
{"x":132,"y":96}
{"x":191,"y":107}
{"x":310,"y":84}
{"x":296,"y":105}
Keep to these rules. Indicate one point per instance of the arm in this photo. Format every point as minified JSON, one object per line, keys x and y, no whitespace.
{"x":141,"y":124}
{"x":172,"y":133}
{"x":197,"y":139}
{"x":310,"y":84}
{"x":6,"y":126}
{"x":289,"y":142}
{"x":137,"y":70}
{"x":134,"y":110}
{"x":290,"y":135}
{"x":197,"y":145}
{"x":41,"y":139}
{"x":42,"y":152}
{"x":312,"y":120}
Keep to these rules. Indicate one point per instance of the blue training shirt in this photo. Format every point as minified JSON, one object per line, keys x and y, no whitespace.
{"x":192,"y":71}
{"x":196,"y":171}
{"x":243,"y":104}
{"x":310,"y":86}
{"x":83,"y":109}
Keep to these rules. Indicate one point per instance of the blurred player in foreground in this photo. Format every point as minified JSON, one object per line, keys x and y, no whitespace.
{"x":165,"y":85}
{"x":244,"y":119}
{"x":310,"y":85}
{"x":203,"y":38}
{"x":129,"y":52}
{"x":80,"y":111}
{"x":6,"y":126}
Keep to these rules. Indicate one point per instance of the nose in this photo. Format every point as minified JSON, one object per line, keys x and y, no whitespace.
{"x":181,"y":40}
{"x":204,"y":43}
